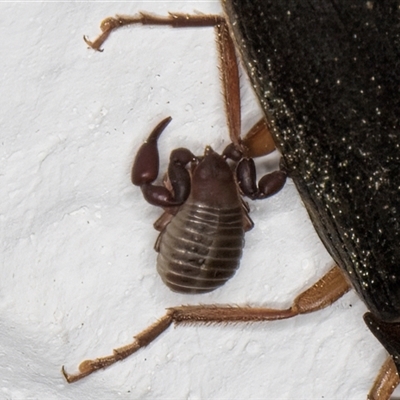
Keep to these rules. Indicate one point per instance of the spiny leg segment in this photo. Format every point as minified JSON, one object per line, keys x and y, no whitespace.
{"x":175,"y":20}
{"x":259,"y":140}
{"x":327,"y":290}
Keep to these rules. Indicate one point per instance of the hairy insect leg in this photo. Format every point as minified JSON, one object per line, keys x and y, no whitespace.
{"x":230,"y":82}
{"x":386,"y":381}
{"x":228,"y":59}
{"x":175,"y":20}
{"x":141,"y":340}
{"x":328,"y":289}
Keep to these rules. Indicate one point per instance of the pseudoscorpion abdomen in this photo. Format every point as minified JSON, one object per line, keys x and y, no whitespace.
{"x":201,"y":248}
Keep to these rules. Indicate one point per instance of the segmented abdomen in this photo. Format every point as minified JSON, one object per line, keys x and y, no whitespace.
{"x":200,"y":249}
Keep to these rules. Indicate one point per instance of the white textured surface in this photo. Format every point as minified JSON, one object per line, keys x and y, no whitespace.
{"x":78,"y":268}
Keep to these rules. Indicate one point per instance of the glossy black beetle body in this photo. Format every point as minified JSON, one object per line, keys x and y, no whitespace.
{"x":328,"y":78}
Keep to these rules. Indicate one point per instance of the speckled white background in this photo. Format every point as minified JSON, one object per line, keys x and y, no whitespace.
{"x":78,"y":268}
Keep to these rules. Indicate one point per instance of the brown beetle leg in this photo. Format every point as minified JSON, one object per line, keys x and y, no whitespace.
{"x":386,"y":381}
{"x":230,"y":82}
{"x":267,"y":186}
{"x":142,"y":340}
{"x":327,"y":290}
{"x":388,"y":333}
{"x":175,"y":20}
{"x":258,"y":140}
{"x":145,"y":171}
{"x":228,"y":60}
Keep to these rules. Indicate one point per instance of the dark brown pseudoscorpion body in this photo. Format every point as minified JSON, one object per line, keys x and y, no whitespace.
{"x":205,"y":218}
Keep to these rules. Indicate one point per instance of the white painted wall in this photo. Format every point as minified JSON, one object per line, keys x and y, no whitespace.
{"x":78,"y":268}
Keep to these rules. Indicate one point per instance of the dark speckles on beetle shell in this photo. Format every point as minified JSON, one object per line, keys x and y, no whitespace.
{"x":327,"y":75}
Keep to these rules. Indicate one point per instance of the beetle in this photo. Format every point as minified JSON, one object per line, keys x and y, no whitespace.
{"x":339,"y":138}
{"x":339,"y":134}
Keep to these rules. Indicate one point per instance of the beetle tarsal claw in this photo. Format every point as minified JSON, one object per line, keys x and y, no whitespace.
{"x":70,"y":378}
